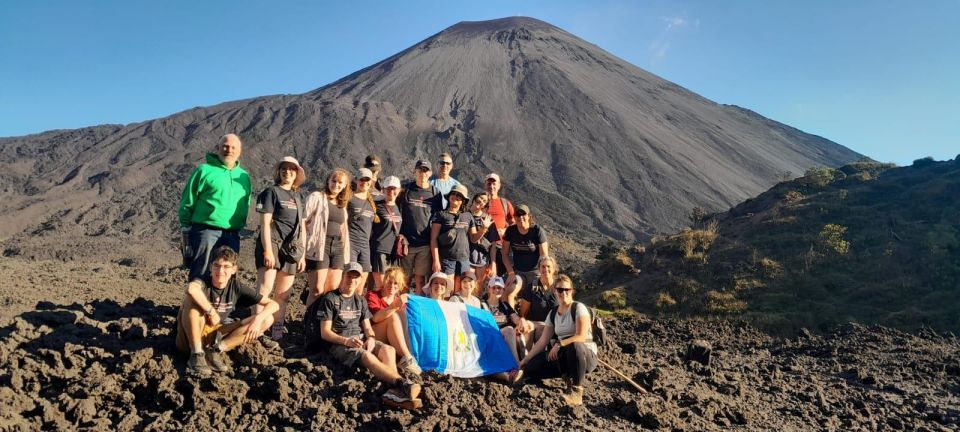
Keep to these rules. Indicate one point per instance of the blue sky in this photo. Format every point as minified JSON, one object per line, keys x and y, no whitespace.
{"x":881,"y":77}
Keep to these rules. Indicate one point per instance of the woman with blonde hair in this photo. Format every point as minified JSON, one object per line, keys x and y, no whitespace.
{"x":566,"y":348}
{"x":279,"y":252}
{"x":328,"y":240}
{"x":388,"y":306}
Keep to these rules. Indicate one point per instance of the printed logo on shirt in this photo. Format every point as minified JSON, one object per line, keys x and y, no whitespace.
{"x":523,"y":247}
{"x":349,"y":314}
{"x":287,"y":204}
{"x":418,"y":202}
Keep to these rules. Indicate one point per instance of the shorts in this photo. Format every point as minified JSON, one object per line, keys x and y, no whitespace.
{"x":501,"y":268}
{"x":332,"y":256}
{"x":361,"y":256}
{"x":206,"y":335}
{"x":380,"y":262}
{"x":418,"y":261}
{"x":349,"y":355}
{"x":478,"y":256}
{"x":454,"y":267}
{"x":280,"y":264}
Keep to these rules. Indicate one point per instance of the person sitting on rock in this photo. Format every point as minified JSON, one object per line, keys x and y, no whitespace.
{"x":512,"y":326}
{"x":387,"y":306}
{"x":345,"y":326}
{"x":438,"y":286}
{"x":205,"y":328}
{"x":572,"y":352}
{"x":468,"y":285}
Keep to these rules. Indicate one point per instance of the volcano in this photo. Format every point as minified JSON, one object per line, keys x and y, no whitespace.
{"x":597,"y":147}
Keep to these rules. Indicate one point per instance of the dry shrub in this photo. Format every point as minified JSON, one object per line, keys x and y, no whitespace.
{"x":770,"y":268}
{"x":665,"y":301}
{"x":724,"y":302}
{"x":614,"y":299}
{"x":696,"y":243}
{"x":792,"y":196}
{"x":746,"y":284}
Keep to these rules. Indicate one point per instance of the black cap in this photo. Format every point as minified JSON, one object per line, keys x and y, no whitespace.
{"x":424,"y":164}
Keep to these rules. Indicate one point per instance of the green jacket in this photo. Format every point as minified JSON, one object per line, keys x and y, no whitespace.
{"x":216,"y":196}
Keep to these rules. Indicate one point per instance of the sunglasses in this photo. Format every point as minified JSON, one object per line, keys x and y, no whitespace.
{"x":423,"y":170}
{"x":444,"y":163}
{"x":364,"y":180}
{"x":562,"y":289}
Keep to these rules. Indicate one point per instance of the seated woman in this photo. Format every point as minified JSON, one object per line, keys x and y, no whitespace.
{"x":438,"y":286}
{"x":387,"y":306}
{"x":511,"y":324}
{"x":536,"y":299}
{"x":468,"y":285}
{"x":572,"y":353}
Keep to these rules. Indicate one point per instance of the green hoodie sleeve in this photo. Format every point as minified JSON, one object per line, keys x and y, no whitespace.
{"x":188,"y":199}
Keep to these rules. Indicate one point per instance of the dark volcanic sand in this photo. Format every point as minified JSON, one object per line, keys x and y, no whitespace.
{"x":79,"y":362}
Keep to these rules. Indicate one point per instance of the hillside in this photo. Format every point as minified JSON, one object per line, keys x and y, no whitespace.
{"x":867,"y":242}
{"x":598,"y":147}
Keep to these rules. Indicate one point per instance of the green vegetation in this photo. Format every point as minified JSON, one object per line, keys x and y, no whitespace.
{"x":867,"y":242}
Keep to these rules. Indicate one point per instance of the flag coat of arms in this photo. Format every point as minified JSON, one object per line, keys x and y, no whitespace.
{"x":456,"y":339}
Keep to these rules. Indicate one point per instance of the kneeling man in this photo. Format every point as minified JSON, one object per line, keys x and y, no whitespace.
{"x":204,"y":326}
{"x":345,"y":325}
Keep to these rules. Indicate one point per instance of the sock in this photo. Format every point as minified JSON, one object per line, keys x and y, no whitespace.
{"x":221,"y":347}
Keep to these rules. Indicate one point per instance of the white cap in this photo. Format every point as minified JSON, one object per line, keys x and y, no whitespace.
{"x":390,"y":182}
{"x":496,"y":281}
{"x":493,"y":176}
{"x":365,"y":173}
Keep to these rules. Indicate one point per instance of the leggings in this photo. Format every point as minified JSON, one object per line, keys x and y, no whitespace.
{"x":573,"y":361}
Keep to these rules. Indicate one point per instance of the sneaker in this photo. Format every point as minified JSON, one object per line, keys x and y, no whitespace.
{"x":197,"y":366}
{"x":216,"y":361}
{"x":409,"y":365}
{"x":411,"y":389}
{"x":269,"y":343}
{"x":393,"y":398}
{"x":515,"y":376}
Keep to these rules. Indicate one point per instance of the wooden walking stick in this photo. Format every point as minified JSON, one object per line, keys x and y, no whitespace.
{"x":632,"y":382}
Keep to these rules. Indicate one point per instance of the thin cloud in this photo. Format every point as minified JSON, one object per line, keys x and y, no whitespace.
{"x":660,"y":46}
{"x":673,"y":22}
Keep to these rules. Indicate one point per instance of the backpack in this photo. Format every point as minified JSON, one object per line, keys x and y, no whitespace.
{"x":597,"y":328}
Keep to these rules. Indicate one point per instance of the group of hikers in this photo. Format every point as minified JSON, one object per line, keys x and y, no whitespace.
{"x":427,"y":236}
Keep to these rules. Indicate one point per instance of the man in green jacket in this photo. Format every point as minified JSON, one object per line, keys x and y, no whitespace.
{"x":214,"y":205}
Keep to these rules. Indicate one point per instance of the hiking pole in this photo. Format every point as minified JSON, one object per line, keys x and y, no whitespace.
{"x":632,"y":382}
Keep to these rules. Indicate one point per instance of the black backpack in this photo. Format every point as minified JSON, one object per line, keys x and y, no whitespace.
{"x":311,"y":327}
{"x":597,"y":328}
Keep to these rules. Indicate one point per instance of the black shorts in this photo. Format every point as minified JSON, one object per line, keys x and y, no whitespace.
{"x":332,"y":256}
{"x":361,"y":256}
{"x":380,"y":261}
{"x":279,"y":263}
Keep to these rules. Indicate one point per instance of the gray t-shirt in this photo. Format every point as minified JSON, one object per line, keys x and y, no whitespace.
{"x":471,"y":301}
{"x":564,"y":326}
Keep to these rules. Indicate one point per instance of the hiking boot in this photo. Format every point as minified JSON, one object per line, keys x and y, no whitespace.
{"x":411,"y":389}
{"x":409,"y":364}
{"x":396,"y":399}
{"x":574,"y":397}
{"x":269,"y":343}
{"x":197,"y":366}
{"x":217,"y":361}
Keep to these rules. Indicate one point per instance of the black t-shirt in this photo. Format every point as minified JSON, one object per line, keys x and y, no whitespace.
{"x":360,"y":223}
{"x":283,"y":205}
{"x":541,"y":301}
{"x":417,"y":208}
{"x":525,"y":247}
{"x":335,"y":219}
{"x":502,"y":313}
{"x":384,"y":237}
{"x":460,"y":248}
{"x":345,"y":312}
{"x":231,"y":297}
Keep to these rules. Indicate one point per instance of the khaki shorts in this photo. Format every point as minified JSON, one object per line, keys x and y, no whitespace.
{"x":349,"y":355}
{"x":206,"y":335}
{"x":418,"y":261}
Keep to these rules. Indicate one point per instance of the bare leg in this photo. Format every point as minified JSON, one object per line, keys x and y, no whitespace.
{"x":510,"y":337}
{"x":235,"y":338}
{"x":333,"y":280}
{"x":315,"y":282}
{"x":283,"y":283}
{"x":456,"y":284}
{"x":265,"y":279}
{"x":377,"y":280}
{"x":395,"y":335}
{"x":537,"y":331}
{"x":192,"y":321}
{"x":419,"y":283}
{"x":361,"y":291}
{"x":382,"y":371}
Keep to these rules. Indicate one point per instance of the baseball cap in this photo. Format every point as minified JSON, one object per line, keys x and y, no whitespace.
{"x":496,"y":281}
{"x":469,"y":274}
{"x":424,"y":164}
{"x":353,"y":267}
{"x":493,"y":176}
{"x":364,"y":173}
{"x":521,"y":209}
{"x":391,"y":181}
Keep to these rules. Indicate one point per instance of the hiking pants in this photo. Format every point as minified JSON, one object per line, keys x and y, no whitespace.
{"x":573,"y":361}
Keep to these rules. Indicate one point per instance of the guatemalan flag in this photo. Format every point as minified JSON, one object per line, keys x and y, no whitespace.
{"x":456,"y":339}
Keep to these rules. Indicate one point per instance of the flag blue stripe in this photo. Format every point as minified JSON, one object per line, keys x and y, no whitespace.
{"x":496,"y":355}
{"x":429,"y":343}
